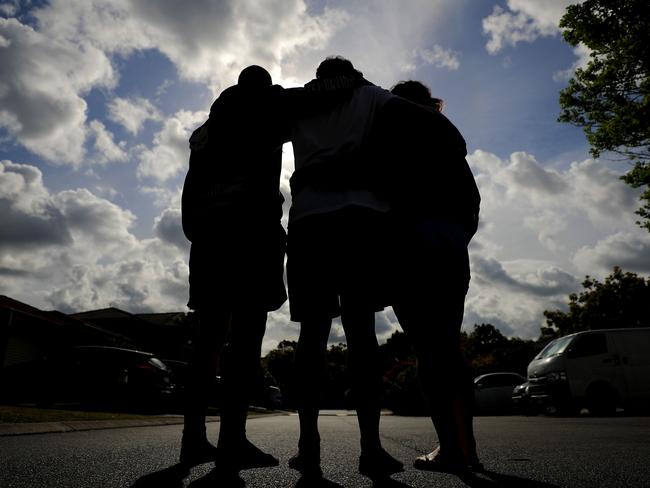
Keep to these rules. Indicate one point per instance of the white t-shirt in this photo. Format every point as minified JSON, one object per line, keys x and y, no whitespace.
{"x":321,"y":138}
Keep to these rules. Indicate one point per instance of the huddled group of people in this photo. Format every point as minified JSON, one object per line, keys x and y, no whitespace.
{"x":383,"y":206}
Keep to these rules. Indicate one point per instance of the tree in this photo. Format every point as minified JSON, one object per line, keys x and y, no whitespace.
{"x":610,"y":97}
{"x":620,"y":301}
{"x":489,"y":351}
{"x":279,"y":364}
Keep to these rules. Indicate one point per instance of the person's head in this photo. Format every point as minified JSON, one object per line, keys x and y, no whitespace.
{"x":334,"y":66}
{"x":254,"y":77}
{"x":417,"y":92}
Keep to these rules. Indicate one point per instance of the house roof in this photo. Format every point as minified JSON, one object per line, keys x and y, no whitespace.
{"x":55,"y":318}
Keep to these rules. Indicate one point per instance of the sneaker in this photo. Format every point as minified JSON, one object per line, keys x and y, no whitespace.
{"x":379,"y":463}
{"x":434,"y":461}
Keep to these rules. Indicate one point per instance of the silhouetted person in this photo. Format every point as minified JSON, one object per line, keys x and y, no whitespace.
{"x":231,"y":213}
{"x":435,"y":205}
{"x":416,"y":92}
{"x":332,"y":257}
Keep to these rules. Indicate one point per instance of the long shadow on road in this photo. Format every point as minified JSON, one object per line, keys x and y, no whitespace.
{"x":492,"y":479}
{"x":171,"y":477}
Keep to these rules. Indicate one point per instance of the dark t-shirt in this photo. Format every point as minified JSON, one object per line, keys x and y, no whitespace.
{"x":235,"y":163}
{"x":232,"y":206}
{"x":421,"y":166}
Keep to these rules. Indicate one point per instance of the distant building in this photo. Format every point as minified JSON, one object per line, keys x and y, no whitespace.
{"x":164,"y":334}
{"x":27,"y":333}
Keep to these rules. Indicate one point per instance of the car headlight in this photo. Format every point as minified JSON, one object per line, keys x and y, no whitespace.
{"x":556,"y":376}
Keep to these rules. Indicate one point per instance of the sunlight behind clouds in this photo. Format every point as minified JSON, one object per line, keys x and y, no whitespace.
{"x":104,"y":94}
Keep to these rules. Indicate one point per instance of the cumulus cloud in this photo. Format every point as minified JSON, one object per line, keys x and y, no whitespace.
{"x":101,"y":223}
{"x":211,"y":42}
{"x":543,"y":229}
{"x":373,"y":37}
{"x":521,"y":170}
{"x":74,"y":250}
{"x":170,"y":153}
{"x":437,"y":56}
{"x":548,"y":225}
{"x":163,"y":197}
{"x":629,"y":251}
{"x":50,"y":66}
{"x":9,"y":9}
{"x":41,"y":86}
{"x":583,"y":55}
{"x":131,"y":113}
{"x":168,"y":228}
{"x":106,"y":150}
{"x":588,"y":187}
{"x":440,"y":57}
{"x":29,"y":217}
{"x":541,"y":282}
{"x":513,"y":294}
{"x":523,"y":21}
{"x":141,"y":284}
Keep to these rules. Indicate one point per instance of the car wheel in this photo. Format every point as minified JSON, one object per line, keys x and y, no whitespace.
{"x":601,"y":399}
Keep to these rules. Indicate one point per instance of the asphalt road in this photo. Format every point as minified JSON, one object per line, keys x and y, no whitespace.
{"x":539,"y":452}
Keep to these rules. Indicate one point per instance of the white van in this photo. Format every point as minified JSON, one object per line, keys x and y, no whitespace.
{"x":597,"y":369}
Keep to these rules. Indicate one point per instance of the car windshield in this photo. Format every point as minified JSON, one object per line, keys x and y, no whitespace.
{"x":158,"y":363}
{"x":555,"y":347}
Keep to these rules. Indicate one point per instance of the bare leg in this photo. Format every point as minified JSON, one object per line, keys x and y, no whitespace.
{"x":310,"y":367}
{"x":241,"y":363}
{"x":443,"y":373}
{"x":206,"y":351}
{"x":363,"y":365}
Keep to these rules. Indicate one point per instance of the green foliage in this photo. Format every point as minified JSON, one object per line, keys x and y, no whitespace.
{"x":279,"y":364}
{"x":620,"y":301}
{"x":610,"y":97}
{"x":489,"y":351}
{"x":337,"y":382}
{"x":639,"y":177}
{"x":403,"y":394}
{"x":486,"y":348}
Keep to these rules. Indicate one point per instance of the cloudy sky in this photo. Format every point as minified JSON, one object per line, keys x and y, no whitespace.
{"x":98,"y":99}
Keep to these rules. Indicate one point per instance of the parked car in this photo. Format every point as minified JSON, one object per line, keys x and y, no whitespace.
{"x":493,"y":393}
{"x":597,"y":369}
{"x":262,"y":394}
{"x":521,"y":402}
{"x":95,"y":376}
{"x":274,"y":397}
{"x":179,"y":377}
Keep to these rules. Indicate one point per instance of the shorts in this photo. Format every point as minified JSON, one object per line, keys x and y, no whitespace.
{"x":336,"y":258}
{"x":428,"y":258}
{"x":240,"y":268}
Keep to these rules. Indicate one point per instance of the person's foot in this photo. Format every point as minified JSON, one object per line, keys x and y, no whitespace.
{"x":378,"y":462}
{"x":217,"y":477}
{"x":244,"y":456}
{"x":198,"y":451}
{"x":436,"y":461}
{"x":307,"y":464}
{"x":474,"y":464}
